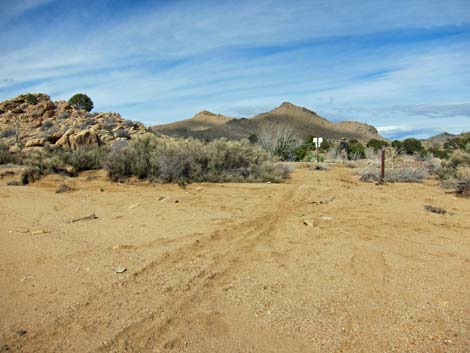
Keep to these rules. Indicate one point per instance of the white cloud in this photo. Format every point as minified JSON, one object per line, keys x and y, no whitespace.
{"x":165,"y":62}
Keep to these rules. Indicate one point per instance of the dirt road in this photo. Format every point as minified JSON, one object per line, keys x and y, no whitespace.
{"x":323,"y":263}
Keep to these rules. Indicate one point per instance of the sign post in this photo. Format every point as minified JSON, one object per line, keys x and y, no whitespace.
{"x":382,"y":169}
{"x":318,"y":151}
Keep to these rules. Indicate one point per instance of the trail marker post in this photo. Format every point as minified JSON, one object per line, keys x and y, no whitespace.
{"x":382,"y":167}
{"x":318,"y":151}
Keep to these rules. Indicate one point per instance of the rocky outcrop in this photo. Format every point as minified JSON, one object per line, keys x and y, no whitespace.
{"x":75,"y":139}
{"x":34,"y":120}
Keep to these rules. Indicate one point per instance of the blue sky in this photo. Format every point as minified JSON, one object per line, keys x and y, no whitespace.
{"x":402,"y":66}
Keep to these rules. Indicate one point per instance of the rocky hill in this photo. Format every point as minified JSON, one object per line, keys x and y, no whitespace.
{"x":34,"y":120}
{"x":304,"y":122}
{"x":439,"y":140}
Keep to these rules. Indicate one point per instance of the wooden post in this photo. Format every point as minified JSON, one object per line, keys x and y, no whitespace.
{"x":318,"y":151}
{"x":382,"y":169}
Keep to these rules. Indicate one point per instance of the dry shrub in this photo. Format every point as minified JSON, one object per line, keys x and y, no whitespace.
{"x":85,"y":158}
{"x":39,"y":163}
{"x":5,"y":155}
{"x":397,"y":170}
{"x":463,"y":188}
{"x":279,"y":140}
{"x":463,"y":173}
{"x":184,"y":161}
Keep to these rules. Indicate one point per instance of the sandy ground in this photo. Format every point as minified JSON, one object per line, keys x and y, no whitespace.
{"x":233,"y":267}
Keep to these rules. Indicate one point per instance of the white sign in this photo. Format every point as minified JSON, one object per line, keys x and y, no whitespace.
{"x":317,"y":141}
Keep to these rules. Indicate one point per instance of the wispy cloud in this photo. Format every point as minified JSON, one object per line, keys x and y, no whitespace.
{"x":381,"y":62}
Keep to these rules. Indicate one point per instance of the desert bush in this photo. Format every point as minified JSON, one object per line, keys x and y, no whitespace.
{"x":39,"y":163}
{"x":439,"y":153}
{"x":81,"y":126}
{"x":128,"y":123}
{"x":461,"y":142}
{"x":434,"y":165}
{"x":398,"y":146}
{"x":371,"y":154}
{"x":90,"y":121}
{"x":31,"y":99}
{"x":81,"y":101}
{"x":325,"y":145}
{"x":8,"y":132}
{"x":460,"y":158}
{"x":108,"y":124}
{"x":184,"y":161}
{"x":376,"y":144}
{"x":463,"y":173}
{"x":63,"y":115}
{"x":356,"y":150}
{"x":463,"y":188}
{"x":279,"y":140}
{"x":407,"y":171}
{"x":85,"y":158}
{"x":253,"y":138}
{"x":5,"y":155}
{"x":123,"y":133}
{"x":412,"y":146}
{"x":311,"y":156}
{"x":47,"y":125}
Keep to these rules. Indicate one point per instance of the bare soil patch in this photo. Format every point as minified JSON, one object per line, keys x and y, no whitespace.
{"x":323,"y":263}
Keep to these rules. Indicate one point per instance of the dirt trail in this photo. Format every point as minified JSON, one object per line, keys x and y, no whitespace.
{"x":233,"y":267}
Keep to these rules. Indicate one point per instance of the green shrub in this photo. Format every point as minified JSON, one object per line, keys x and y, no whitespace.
{"x":376,"y":144}
{"x":356,"y":150}
{"x":253,"y":138}
{"x":300,"y":152}
{"x":398,"y":146}
{"x":325,"y":145}
{"x":412,"y":146}
{"x":31,"y":99}
{"x":458,"y":143}
{"x":81,"y":101}
{"x":439,"y":153}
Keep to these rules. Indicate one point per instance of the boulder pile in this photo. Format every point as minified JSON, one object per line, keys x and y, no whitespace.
{"x":32,"y":121}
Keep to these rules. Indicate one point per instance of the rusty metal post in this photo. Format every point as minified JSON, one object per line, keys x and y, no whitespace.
{"x":382,"y":169}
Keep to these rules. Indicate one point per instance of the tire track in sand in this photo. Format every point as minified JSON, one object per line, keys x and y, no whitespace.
{"x":132,"y":319}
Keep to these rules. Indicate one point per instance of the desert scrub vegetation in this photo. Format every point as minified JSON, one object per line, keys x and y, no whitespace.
{"x":5,"y":155}
{"x":185,"y":161}
{"x":31,"y":99}
{"x":39,"y":163}
{"x":8,"y":132}
{"x":376,"y":144}
{"x":405,"y":170}
{"x":279,"y":141}
{"x":85,"y":158}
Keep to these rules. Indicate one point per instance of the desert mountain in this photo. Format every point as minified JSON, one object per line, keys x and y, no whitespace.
{"x":439,"y":140}
{"x":304,"y":122}
{"x":34,"y":120}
